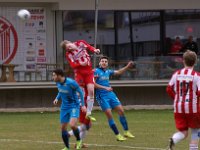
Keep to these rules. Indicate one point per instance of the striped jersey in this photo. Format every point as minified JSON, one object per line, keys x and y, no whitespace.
{"x":80,"y":55}
{"x":185,"y":83}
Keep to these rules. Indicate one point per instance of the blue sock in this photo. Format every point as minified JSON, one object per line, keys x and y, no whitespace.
{"x":77,"y":134}
{"x":65,"y":138}
{"x":113,"y":126}
{"x":124,"y":123}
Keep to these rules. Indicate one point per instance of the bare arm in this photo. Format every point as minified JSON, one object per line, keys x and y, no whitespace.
{"x":122,"y":70}
{"x":98,"y":86}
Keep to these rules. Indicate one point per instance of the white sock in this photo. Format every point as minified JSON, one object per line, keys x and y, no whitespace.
{"x":177,"y":137}
{"x":193,"y":146}
{"x":90,"y":103}
{"x":71,"y":133}
{"x":83,"y":134}
{"x":81,"y":129}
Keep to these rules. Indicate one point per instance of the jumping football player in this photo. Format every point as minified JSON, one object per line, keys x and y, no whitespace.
{"x":79,"y":59}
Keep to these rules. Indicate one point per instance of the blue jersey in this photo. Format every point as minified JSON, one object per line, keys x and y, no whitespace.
{"x":67,"y":91}
{"x":102,"y":78}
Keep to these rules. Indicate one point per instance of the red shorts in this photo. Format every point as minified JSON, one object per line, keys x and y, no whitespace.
{"x":84,"y":78}
{"x":185,"y":121}
{"x":83,"y":120}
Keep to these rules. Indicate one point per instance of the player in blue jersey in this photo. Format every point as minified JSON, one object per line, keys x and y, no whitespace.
{"x":107,"y":98}
{"x":70,"y":107}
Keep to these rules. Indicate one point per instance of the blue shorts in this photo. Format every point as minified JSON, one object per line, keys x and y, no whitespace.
{"x":67,"y":114}
{"x":108,"y":100}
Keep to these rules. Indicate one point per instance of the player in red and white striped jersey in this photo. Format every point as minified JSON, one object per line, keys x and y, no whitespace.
{"x":79,"y":59}
{"x":184,"y":88}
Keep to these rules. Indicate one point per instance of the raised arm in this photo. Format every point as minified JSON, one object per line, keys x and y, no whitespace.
{"x":122,"y":70}
{"x":89,"y":47}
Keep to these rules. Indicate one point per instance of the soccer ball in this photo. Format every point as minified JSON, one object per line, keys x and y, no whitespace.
{"x":24,"y":14}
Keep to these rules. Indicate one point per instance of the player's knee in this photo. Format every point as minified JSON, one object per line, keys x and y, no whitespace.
{"x":121,"y":112}
{"x":72,"y":126}
{"x":63,"y":127}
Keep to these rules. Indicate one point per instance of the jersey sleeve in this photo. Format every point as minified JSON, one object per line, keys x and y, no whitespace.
{"x":111,"y":72}
{"x":76,"y":87}
{"x":71,"y":61}
{"x":58,"y":97}
{"x":88,"y":46}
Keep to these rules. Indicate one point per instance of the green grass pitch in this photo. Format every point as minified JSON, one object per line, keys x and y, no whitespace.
{"x":41,"y":131}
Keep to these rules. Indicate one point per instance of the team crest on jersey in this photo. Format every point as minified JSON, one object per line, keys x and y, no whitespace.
{"x":8,"y":41}
{"x":63,"y":91}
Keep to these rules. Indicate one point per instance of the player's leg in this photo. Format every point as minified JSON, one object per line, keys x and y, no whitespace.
{"x":195,"y":135}
{"x":82,"y":131}
{"x":74,"y":114}
{"x":112,"y":125}
{"x":116,"y":105}
{"x":64,"y":119}
{"x":177,"y":137}
{"x":194,"y":124}
{"x":85,"y":124}
{"x":90,"y":98}
{"x":182,"y":126}
{"x":89,"y":82}
{"x":103,"y":101}
{"x":123,"y":121}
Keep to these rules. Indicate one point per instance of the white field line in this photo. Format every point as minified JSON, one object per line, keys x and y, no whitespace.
{"x":97,"y":145}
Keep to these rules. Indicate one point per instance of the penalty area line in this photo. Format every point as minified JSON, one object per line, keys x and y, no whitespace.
{"x":95,"y":145}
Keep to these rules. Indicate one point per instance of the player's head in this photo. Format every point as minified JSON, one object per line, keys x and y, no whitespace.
{"x":189,"y":58}
{"x":68,"y":45}
{"x":103,"y":62}
{"x":58,"y":75}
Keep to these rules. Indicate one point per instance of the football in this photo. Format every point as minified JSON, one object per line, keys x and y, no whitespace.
{"x":24,"y":14}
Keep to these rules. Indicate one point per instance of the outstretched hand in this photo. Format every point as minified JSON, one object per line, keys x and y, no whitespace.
{"x":130,"y":64}
{"x":108,"y":89}
{"x":97,"y":51}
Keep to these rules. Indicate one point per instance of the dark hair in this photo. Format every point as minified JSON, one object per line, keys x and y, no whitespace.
{"x":59,"y":72}
{"x":103,"y":57}
{"x":189,"y":58}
